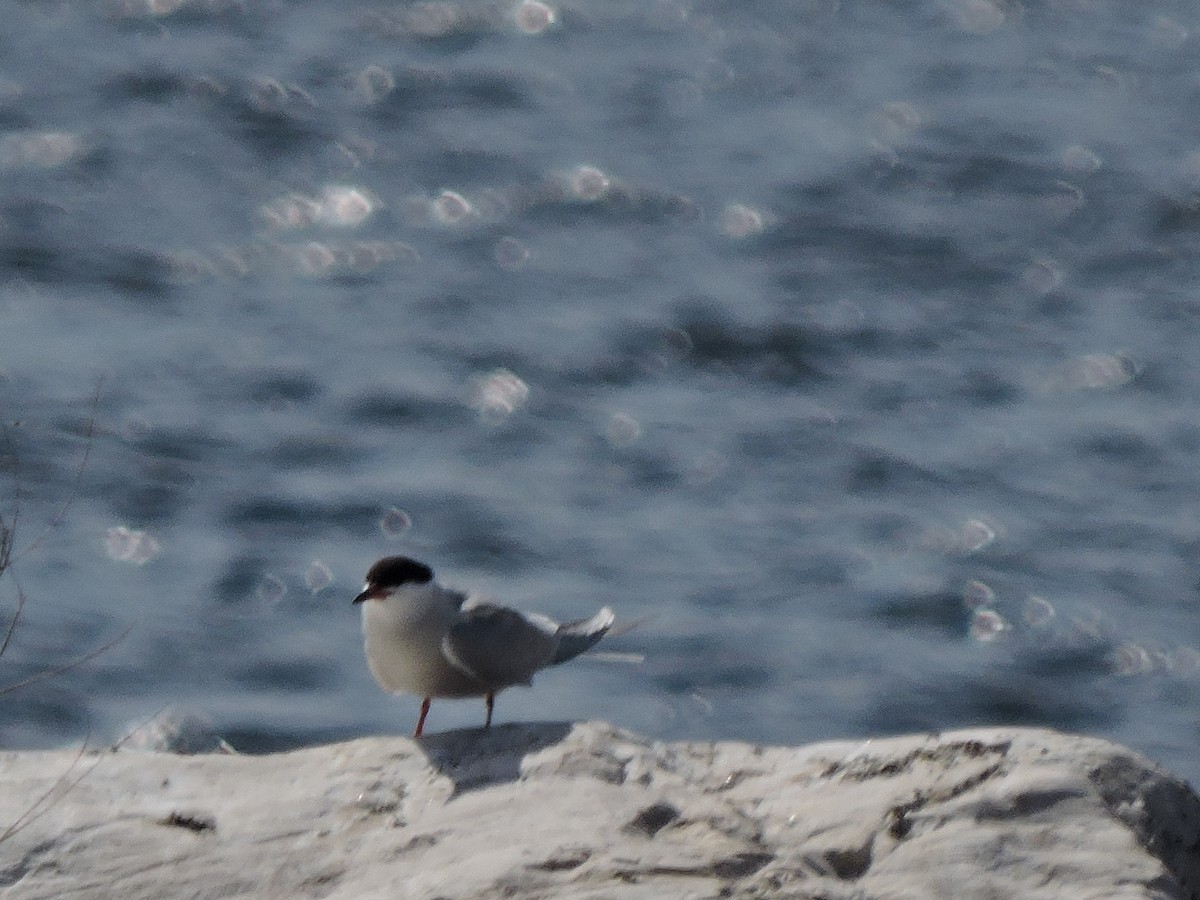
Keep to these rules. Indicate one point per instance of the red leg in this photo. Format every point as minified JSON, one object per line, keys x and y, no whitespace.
{"x":421,"y":721}
{"x":491,"y":701}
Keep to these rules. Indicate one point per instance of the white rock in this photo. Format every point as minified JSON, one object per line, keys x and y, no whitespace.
{"x":590,"y":811}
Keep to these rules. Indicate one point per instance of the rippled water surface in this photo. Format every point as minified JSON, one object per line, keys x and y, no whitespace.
{"x":849,"y":347}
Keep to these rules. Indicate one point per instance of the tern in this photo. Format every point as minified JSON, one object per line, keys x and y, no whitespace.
{"x":421,"y":638}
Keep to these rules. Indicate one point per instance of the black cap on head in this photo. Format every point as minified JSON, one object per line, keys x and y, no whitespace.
{"x":393,"y":571}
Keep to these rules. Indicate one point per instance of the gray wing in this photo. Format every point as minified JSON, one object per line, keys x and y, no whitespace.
{"x":500,"y":646}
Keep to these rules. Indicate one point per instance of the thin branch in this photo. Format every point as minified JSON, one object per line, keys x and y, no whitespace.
{"x":12,"y":626}
{"x":32,"y":814}
{"x":66,"y":667}
{"x":6,"y":542}
{"x":60,"y":516}
{"x":63,"y":784}
{"x":8,"y":531}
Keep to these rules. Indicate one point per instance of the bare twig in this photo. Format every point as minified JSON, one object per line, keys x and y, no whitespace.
{"x":7,"y":531}
{"x":67,"y":781}
{"x":6,"y":539}
{"x":32,"y":813}
{"x":12,"y":625}
{"x":61,"y":514}
{"x":67,"y":667}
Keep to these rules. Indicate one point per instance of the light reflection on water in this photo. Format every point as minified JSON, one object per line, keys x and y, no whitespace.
{"x":865,"y":377}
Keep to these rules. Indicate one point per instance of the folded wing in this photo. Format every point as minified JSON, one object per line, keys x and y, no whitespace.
{"x":500,"y":646}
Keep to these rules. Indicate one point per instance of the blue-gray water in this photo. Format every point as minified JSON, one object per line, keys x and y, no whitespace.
{"x":851,"y":345}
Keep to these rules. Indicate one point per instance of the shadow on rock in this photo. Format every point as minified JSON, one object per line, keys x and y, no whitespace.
{"x":475,"y":758}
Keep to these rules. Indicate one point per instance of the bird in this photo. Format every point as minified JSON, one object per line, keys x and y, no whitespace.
{"x":424,"y":639}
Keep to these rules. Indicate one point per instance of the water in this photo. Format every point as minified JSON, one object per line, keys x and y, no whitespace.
{"x":848,"y":346}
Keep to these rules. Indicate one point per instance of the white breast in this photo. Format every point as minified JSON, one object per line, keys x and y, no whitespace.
{"x":403,"y":637}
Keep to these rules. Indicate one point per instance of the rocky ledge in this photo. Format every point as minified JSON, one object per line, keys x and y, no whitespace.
{"x":589,"y":810}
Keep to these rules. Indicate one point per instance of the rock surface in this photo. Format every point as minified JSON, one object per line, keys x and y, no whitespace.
{"x":590,"y":811}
